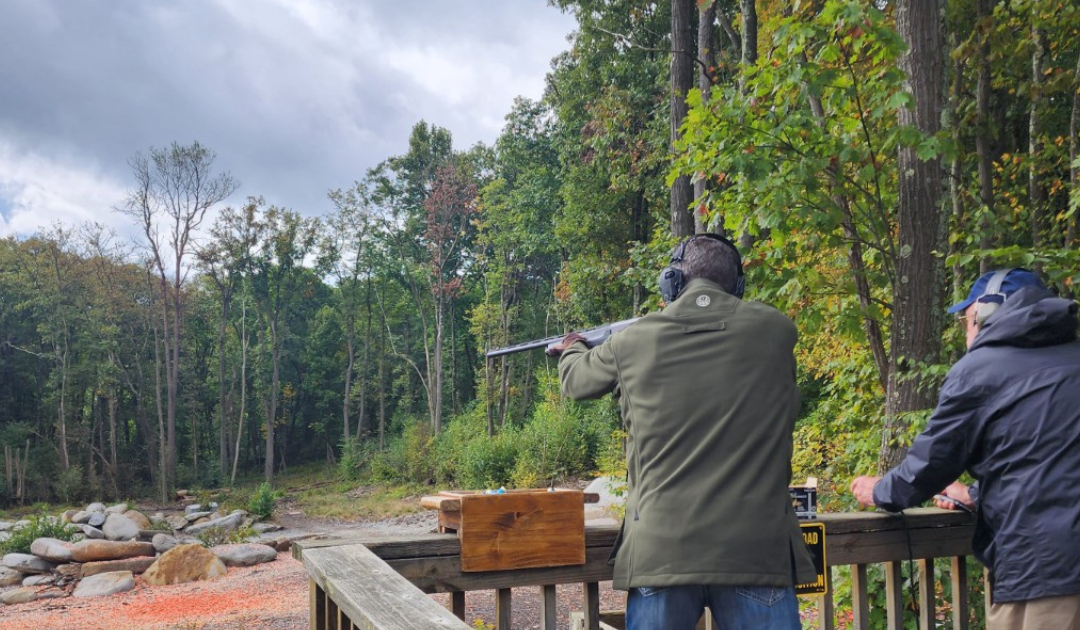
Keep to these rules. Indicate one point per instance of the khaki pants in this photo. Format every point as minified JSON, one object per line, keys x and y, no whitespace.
{"x":1048,"y":613}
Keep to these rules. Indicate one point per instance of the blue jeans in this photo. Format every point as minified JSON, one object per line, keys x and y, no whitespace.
{"x":733,"y":607}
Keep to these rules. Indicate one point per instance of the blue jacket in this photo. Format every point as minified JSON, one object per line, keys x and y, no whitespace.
{"x":1009,"y":413}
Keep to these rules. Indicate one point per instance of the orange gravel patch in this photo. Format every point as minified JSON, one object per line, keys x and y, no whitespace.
{"x":270,"y":596}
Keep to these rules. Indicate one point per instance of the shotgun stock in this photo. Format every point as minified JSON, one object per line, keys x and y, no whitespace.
{"x":593,"y":337}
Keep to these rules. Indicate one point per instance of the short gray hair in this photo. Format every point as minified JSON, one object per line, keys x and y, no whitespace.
{"x":711,"y":259}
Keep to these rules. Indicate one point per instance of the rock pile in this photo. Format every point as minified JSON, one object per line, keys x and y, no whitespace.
{"x":116,"y":543}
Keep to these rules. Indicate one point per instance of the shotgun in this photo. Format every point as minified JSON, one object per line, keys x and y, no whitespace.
{"x":593,"y":337}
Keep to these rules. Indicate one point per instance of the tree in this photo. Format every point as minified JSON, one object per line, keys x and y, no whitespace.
{"x":683,"y":55}
{"x":450,"y":209}
{"x":345,"y":244}
{"x":174,"y":188}
{"x":286,"y":239}
{"x":917,"y":321}
{"x":225,"y":260}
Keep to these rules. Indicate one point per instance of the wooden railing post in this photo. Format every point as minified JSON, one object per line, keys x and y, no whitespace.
{"x":591,"y":604}
{"x":959,"y":578}
{"x":317,"y":610}
{"x":548,"y":607}
{"x":860,"y":598}
{"x":457,"y":604}
{"x":927,"y":605}
{"x":894,"y":596}
{"x":502,"y":609}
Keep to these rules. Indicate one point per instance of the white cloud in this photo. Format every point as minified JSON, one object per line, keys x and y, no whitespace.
{"x":37,"y":191}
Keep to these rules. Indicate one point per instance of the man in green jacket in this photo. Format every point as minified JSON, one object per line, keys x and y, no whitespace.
{"x":709,"y":401}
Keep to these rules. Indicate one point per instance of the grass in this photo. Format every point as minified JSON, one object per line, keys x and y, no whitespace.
{"x":316,"y":490}
{"x":344,"y":500}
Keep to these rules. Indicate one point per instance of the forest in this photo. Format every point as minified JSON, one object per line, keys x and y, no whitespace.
{"x":870,"y":159}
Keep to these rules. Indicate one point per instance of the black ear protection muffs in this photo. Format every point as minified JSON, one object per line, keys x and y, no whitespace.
{"x":672,"y":280}
{"x":991,"y":299}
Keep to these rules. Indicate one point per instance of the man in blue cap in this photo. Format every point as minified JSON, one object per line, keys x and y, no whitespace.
{"x":1009,"y":414}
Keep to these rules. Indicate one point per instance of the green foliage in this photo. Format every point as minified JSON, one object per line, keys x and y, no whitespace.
{"x":69,"y":484}
{"x":40,"y":526}
{"x":217,"y":536}
{"x":407,"y":458}
{"x":263,"y":500}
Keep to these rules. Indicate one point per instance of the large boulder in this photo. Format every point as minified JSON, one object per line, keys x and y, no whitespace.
{"x":120,"y":527}
{"x":138,"y":518}
{"x":52,"y":549}
{"x":225,"y":524}
{"x":119,"y":508}
{"x":10,"y":577}
{"x":95,"y":507}
{"x":18,"y":596}
{"x":105,"y":584}
{"x":245,"y":554}
{"x":38,"y":580}
{"x":94,"y":550}
{"x":131,"y":565}
{"x":26,"y":563}
{"x":185,"y":563}
{"x":163,"y":541}
{"x":92,"y":532}
{"x":176,"y":521}
{"x":96,"y":519}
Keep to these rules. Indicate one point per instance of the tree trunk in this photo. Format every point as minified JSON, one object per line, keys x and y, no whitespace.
{"x":983,"y":129}
{"x":1073,"y":227}
{"x":436,"y":378}
{"x":956,"y":179}
{"x":271,"y":403}
{"x":707,"y":57}
{"x":243,"y":389}
{"x":917,"y":323}
{"x":223,"y":417}
{"x":682,"y":79}
{"x":1036,"y":194}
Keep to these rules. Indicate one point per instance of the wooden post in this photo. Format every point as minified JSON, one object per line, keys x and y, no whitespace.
{"x":317,"y":612}
{"x":502,"y":609}
{"x":926,"y":594}
{"x":860,"y":599}
{"x":959,"y":577}
{"x":548,"y":610}
{"x":591,"y":604}
{"x":457,"y":604}
{"x":894,"y":596}
{"x":825,"y":604}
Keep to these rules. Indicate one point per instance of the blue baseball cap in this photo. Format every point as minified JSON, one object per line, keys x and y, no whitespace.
{"x":1015,"y":279}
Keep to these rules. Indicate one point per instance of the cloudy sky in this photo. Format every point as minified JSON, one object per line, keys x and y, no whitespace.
{"x":296,"y":97}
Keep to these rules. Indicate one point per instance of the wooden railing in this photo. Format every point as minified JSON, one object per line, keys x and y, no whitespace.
{"x":382,"y":583}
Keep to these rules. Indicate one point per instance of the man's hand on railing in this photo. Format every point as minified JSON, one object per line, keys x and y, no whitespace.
{"x":863,"y":489}
{"x":955,"y":496}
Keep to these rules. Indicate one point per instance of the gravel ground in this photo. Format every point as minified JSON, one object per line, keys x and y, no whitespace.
{"x":271,"y":596}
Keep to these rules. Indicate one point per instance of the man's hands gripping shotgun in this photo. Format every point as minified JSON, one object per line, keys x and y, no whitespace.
{"x":554,"y":346}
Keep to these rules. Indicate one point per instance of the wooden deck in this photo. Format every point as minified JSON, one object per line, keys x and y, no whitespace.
{"x":382,"y":583}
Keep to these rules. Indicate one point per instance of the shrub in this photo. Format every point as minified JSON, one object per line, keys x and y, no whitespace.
{"x":216,"y":536}
{"x":489,"y":462}
{"x":42,"y":526}
{"x":263,"y":500}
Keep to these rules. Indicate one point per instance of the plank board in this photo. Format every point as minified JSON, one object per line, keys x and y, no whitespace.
{"x":522,"y":530}
{"x":371,"y":594}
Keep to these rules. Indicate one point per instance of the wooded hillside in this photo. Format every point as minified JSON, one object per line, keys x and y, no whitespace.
{"x":871,"y":161}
